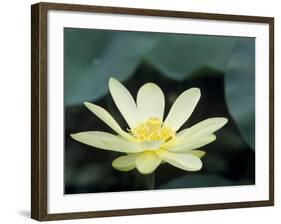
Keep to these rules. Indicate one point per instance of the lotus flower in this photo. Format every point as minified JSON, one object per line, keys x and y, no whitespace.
{"x":150,"y":139}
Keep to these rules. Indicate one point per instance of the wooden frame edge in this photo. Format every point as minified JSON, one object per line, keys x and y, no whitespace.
{"x":39,"y":110}
{"x":156,"y":210}
{"x":154,"y":12}
{"x":34,"y":113}
{"x":271,"y":111}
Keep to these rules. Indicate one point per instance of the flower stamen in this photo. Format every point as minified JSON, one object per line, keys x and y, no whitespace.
{"x":152,"y":130}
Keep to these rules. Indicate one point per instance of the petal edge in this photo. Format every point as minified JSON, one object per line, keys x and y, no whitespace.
{"x":182,"y":161}
{"x":125,"y":163}
{"x":124,"y":102}
{"x":108,"y":119}
{"x":182,"y":108}
{"x":147,"y":162}
{"x":150,"y":101}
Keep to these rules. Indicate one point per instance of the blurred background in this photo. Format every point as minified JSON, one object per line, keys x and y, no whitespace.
{"x":222,"y":67}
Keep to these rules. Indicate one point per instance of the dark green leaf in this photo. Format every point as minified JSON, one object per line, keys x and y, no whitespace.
{"x":240,"y":88}
{"x":197,"y":180}
{"x":93,"y":56}
{"x":178,"y":56}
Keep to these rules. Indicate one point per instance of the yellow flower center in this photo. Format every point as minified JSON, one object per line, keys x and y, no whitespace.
{"x":152,"y":130}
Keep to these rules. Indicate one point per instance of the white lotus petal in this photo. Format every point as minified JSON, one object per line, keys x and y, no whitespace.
{"x":125,"y":163}
{"x":108,"y":119}
{"x":203,"y":128}
{"x":184,"y":146}
{"x":182,"y":108}
{"x":183,"y":161}
{"x":151,"y":144}
{"x":91,"y":138}
{"x":124,"y":102}
{"x":106,"y":141}
{"x":150,"y":101}
{"x":198,"y":153}
{"x":147,"y":162}
{"x":170,"y":143}
{"x":122,"y":145}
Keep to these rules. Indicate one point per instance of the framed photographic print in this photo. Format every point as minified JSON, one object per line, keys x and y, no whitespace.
{"x":139,"y":111}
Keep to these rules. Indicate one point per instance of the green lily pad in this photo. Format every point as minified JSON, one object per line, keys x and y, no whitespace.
{"x":197,"y":180}
{"x":93,"y":56}
{"x":240,"y":88}
{"x":178,"y":56}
